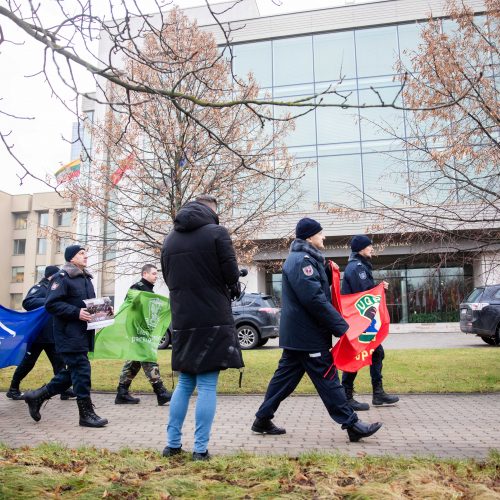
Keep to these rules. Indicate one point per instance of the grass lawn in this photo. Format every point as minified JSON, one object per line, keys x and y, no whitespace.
{"x":405,"y":371}
{"x":50,"y":471}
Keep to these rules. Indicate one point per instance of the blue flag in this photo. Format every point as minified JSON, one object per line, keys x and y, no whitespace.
{"x":17,"y":331}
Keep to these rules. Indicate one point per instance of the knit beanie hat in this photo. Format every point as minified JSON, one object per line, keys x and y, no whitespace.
{"x":359,"y":242}
{"x":71,"y":251}
{"x":306,"y":228}
{"x":50,"y":271}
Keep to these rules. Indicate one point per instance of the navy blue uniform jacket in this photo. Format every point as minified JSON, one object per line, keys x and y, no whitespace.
{"x":67,"y":292}
{"x":308,"y":318}
{"x":358,"y":275}
{"x":35,"y":299}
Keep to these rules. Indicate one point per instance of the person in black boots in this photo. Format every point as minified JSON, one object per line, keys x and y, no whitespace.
{"x":69,"y":288}
{"x":130,"y":369}
{"x":358,"y":277}
{"x":34,"y":299}
{"x":308,"y":321}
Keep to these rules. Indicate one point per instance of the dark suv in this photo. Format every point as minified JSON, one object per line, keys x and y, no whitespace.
{"x":480,"y":314}
{"x":256,"y":318}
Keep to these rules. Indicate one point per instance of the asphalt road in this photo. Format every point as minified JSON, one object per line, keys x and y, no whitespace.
{"x":422,"y":340}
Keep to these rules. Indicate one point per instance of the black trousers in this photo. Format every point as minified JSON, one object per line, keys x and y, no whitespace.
{"x":31,"y":357}
{"x":291,"y":368}
{"x":375,"y":370}
{"x":76,"y":373}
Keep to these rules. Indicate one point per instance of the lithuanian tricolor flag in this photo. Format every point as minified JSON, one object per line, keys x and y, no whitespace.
{"x":68,"y":172}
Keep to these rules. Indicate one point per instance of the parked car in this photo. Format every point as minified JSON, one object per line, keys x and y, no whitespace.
{"x":480,"y":314}
{"x":256,"y":318}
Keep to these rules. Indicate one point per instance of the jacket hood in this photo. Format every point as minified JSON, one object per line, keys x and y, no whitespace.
{"x":194,"y":215}
{"x":356,"y":256}
{"x":74,"y":271}
{"x":299,"y":245}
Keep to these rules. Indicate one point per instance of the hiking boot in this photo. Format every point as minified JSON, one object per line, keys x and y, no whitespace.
{"x":361,"y":430}
{"x":170,"y":452}
{"x":201,"y":457}
{"x":380,"y":397}
{"x":266,"y":426}
{"x":15,"y":393}
{"x":355,"y":405}
{"x":68,"y":394}
{"x":88,"y":417}
{"x":123,"y":397}
{"x":34,"y":400}
{"x":162,"y":395}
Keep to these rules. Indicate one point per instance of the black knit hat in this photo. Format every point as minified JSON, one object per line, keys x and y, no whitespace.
{"x":71,"y":251}
{"x":359,"y":242}
{"x":306,"y":228}
{"x":50,"y":271}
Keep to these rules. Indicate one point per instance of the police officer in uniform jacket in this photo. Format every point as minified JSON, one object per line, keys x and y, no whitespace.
{"x":308,"y":321}
{"x":130,"y":369}
{"x":69,"y":288}
{"x":43,"y":342}
{"x":358,"y":277}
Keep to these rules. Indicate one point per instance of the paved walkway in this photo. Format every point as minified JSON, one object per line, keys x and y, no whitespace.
{"x":441,"y":425}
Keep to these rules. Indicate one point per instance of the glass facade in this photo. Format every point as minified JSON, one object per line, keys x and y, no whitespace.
{"x":416,"y":295}
{"x":351,"y":153}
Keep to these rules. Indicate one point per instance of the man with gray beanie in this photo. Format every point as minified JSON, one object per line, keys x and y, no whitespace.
{"x":34,"y":299}
{"x":65,"y":301}
{"x":308,"y":321}
{"x":358,"y":277}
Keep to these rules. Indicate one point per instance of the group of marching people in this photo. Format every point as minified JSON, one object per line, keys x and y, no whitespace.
{"x":199,"y":267}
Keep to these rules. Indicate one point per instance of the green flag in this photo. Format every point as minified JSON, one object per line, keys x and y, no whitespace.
{"x":139,"y":326}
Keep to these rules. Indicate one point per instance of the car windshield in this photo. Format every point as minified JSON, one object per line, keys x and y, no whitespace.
{"x":475,"y":295}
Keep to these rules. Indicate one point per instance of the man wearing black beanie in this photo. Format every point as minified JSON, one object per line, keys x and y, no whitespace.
{"x":308,"y":322}
{"x":65,"y":301}
{"x":34,"y":299}
{"x":358,"y":277}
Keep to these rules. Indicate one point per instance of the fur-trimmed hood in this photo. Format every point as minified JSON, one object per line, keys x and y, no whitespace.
{"x":73,"y":271}
{"x":299,"y":245}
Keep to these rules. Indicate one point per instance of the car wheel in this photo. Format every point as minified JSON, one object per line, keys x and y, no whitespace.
{"x":491,"y":340}
{"x":248,"y":337}
{"x":263,"y":342}
{"x":165,"y":340}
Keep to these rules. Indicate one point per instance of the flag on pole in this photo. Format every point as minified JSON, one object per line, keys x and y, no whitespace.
{"x":123,"y":166}
{"x":17,"y":331}
{"x":139,"y":326}
{"x":368,"y":319}
{"x":68,"y":172}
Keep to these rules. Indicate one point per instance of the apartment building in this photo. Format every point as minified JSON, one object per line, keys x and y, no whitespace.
{"x":37,"y":227}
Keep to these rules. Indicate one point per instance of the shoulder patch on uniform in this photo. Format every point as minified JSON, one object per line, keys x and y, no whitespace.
{"x":362,"y":275}
{"x":54,"y":285}
{"x":33,"y":290}
{"x":308,"y":270}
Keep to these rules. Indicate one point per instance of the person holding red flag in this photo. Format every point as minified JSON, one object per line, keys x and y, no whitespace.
{"x":358,"y":277}
{"x":308,"y":321}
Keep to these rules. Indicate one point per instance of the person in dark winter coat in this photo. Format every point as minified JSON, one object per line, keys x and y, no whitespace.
{"x":358,"y":277}
{"x":65,"y":301}
{"x":34,"y":299}
{"x":200,"y":269}
{"x":308,"y":321}
{"x":149,"y":275}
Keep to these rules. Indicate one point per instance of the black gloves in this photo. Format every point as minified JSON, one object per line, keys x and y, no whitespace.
{"x":235,"y":290}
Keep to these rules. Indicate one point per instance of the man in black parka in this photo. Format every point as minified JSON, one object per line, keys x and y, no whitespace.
{"x":34,"y":299}
{"x":65,"y":301}
{"x":199,"y":266}
{"x":308,"y":322}
{"x":358,"y":277}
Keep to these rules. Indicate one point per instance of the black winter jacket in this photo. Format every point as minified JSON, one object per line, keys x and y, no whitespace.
{"x":67,"y":292}
{"x":358,"y":275}
{"x":198,"y":263}
{"x":308,"y":318}
{"x":143,"y":286}
{"x":35,"y":299}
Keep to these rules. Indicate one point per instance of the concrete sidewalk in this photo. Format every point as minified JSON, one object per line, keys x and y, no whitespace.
{"x":442,"y":425}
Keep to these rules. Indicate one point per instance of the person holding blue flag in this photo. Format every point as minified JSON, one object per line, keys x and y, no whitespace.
{"x":65,"y":301}
{"x":43,"y":342}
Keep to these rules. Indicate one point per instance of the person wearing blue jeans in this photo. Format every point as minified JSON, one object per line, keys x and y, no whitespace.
{"x":199,"y":266}
{"x":206,"y":403}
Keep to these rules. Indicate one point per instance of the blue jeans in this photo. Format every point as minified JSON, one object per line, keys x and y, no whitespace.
{"x":204,"y":413}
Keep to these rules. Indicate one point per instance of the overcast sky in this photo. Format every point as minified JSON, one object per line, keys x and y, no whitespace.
{"x":42,"y":142}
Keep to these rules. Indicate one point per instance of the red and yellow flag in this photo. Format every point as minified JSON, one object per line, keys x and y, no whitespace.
{"x":368,"y":318}
{"x":68,"y":171}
